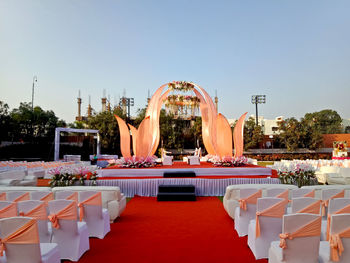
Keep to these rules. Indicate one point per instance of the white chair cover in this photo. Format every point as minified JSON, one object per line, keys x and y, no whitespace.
{"x":301,"y":192}
{"x":44,"y":233}
{"x":29,"y":253}
{"x":329,"y":193}
{"x":243,"y":217}
{"x":298,"y":204}
{"x":72,"y":237}
{"x":96,"y":217}
{"x":13,"y":195}
{"x":270,"y":228}
{"x":299,"y":249}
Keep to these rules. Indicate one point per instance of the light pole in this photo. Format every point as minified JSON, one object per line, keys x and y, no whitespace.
{"x":258,"y":99}
{"x":35,"y":79}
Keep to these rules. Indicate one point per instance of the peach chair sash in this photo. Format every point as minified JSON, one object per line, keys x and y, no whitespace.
{"x":3,"y":196}
{"x":9,"y":211}
{"x":38,"y":213}
{"x":73,"y":197}
{"x":310,"y":229}
{"x":310,"y":194}
{"x":68,"y":213}
{"x":313,"y":208}
{"x":95,"y":199}
{"x":47,"y":198}
{"x":284,"y":195}
{"x":23,"y":197}
{"x":337,"y":245}
{"x":26,"y":234}
{"x":252,"y":199}
{"x":326,"y":202}
{"x":344,"y":210}
{"x":276,"y":210}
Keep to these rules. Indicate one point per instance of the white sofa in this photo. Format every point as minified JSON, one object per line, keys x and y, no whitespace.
{"x":23,"y":188}
{"x":325,"y":171}
{"x":112,"y":198}
{"x":342,"y":177}
{"x":232,"y":194}
{"x":17,"y":178}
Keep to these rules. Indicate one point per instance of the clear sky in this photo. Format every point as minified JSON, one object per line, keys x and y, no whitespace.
{"x":295,"y":52}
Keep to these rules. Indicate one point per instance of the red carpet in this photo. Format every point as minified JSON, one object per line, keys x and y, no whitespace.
{"x":151,"y":231}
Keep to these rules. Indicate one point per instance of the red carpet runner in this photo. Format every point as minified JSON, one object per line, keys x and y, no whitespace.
{"x":151,"y":231}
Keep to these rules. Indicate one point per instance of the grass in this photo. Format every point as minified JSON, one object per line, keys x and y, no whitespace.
{"x":264,"y":163}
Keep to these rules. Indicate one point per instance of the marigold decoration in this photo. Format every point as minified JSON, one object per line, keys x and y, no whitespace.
{"x":299,"y":174}
{"x":67,"y":176}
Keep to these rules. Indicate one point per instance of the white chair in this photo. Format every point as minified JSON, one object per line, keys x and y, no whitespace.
{"x":303,"y":192}
{"x":195,"y":159}
{"x":96,"y":217}
{"x":37,"y":210}
{"x":71,"y":236}
{"x":307,"y":205}
{"x":303,"y":246}
{"x":26,"y":247}
{"x":269,"y":213}
{"x":8,"y":209}
{"x":17,"y":196}
{"x":45,"y":196}
{"x":67,"y":195}
{"x":247,"y":209}
{"x":328,"y":194}
{"x":340,"y":226}
{"x":166,"y":159}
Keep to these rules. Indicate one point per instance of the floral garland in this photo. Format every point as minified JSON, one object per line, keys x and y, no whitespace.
{"x":181,"y":85}
{"x":182,"y":100}
{"x":229,"y":161}
{"x":136,"y":162}
{"x":67,"y":176}
{"x":340,"y":146}
{"x":299,"y":174}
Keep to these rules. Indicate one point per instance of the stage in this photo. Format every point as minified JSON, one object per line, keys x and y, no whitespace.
{"x":209,"y":180}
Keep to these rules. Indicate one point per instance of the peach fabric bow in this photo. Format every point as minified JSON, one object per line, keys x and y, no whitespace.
{"x":23,"y":197}
{"x":326,"y":202}
{"x":68,"y":213}
{"x":276,"y":210}
{"x":252,"y":199}
{"x":313,"y":208}
{"x":344,"y":210}
{"x":337,"y":245}
{"x":47,"y":198}
{"x":38,"y":212}
{"x":26,"y":234}
{"x":95,"y":199}
{"x":2,"y":196}
{"x":9,"y":211}
{"x":310,"y":229}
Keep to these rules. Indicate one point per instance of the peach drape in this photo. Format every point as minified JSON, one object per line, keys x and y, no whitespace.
{"x":38,"y":212}
{"x":73,"y":197}
{"x":310,"y":229}
{"x":2,"y":196}
{"x":310,"y":194}
{"x":276,"y":210}
{"x":9,"y":211}
{"x":26,"y":234}
{"x":47,"y":198}
{"x":95,"y":199}
{"x":344,"y":210}
{"x":284,"y":195}
{"x":326,"y":202}
{"x":224,"y":140}
{"x":67,"y":213}
{"x":23,"y":197}
{"x":238,"y":136}
{"x":252,"y":199}
{"x":124,"y":137}
{"x":134,"y":138}
{"x":313,"y":208}
{"x":336,"y":244}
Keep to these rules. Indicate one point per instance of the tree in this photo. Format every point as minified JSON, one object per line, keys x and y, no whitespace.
{"x":325,"y":121}
{"x":291,"y":133}
{"x":4,"y":121}
{"x":253,"y":134}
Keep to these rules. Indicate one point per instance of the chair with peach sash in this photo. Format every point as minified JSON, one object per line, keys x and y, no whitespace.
{"x":307,"y":205}
{"x":37,"y":210}
{"x":328,"y":194}
{"x":17,"y":196}
{"x":267,"y":225}
{"x":299,"y":241}
{"x":336,"y":206}
{"x":67,"y":195}
{"x":71,"y":236}
{"x":279,"y":193}
{"x":337,"y":249}
{"x":91,"y":211}
{"x":303,"y":192}
{"x":246,"y":210}
{"x":44,"y":196}
{"x":20,"y":242}
{"x":3,"y":196}
{"x":8,"y":209}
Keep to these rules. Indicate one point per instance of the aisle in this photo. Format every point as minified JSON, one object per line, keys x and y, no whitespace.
{"x":151,"y":231}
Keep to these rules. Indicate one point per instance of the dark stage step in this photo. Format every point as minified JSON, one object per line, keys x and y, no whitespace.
{"x":168,"y":174}
{"x":176,"y":193}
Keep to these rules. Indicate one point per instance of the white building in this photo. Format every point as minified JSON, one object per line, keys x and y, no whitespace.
{"x":269,"y":127}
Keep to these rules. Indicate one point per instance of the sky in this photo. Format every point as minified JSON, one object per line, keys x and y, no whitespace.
{"x":295,"y":52}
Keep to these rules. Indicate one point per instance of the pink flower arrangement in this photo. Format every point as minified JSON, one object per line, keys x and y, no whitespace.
{"x":136,"y":162}
{"x":228,"y":161}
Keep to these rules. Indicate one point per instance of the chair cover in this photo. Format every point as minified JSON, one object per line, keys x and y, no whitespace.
{"x":37,"y":210}
{"x":246,"y":211}
{"x":8,"y":209}
{"x":328,"y":194}
{"x":278,"y":193}
{"x":20,"y":239}
{"x":72,"y":237}
{"x":44,"y":196}
{"x":303,"y":192}
{"x":299,"y":241}
{"x":336,"y":207}
{"x":3,"y":196}
{"x":96,"y":218}
{"x":67,"y":195}
{"x":17,"y":196}
{"x":267,"y":226}
{"x":306,"y":205}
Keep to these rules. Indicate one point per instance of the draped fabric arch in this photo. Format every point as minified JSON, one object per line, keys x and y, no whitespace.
{"x":216,"y":131}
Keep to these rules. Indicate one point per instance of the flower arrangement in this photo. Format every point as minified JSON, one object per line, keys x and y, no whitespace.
{"x":299,"y":174}
{"x":136,"y":162}
{"x":229,"y":161}
{"x":181,"y":85}
{"x":182,"y":100}
{"x":67,"y":176}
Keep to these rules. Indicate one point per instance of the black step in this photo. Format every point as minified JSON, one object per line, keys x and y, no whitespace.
{"x":188,"y":188}
{"x":176,"y":197}
{"x":168,"y":174}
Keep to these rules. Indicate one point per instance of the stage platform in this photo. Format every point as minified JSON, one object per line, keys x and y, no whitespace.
{"x":209,"y":180}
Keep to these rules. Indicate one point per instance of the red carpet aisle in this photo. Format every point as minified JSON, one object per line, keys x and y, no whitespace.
{"x":151,"y":231}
